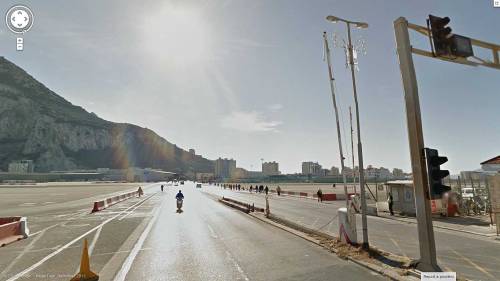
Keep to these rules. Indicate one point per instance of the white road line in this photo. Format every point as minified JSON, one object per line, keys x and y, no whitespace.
{"x":40,"y":262}
{"x":25,"y":250}
{"x":238,"y":267}
{"x":212,"y":232}
{"x":314,"y":223}
{"x":130,"y":212}
{"x":91,"y":246}
{"x":135,"y":250}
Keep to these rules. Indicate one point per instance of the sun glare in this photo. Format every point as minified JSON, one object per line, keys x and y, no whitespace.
{"x":177,"y":35}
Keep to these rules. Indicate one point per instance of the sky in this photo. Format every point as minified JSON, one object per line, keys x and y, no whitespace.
{"x":247,"y":79}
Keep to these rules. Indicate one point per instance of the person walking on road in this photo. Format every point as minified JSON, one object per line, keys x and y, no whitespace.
{"x":266,"y":190}
{"x":161,"y":188}
{"x":278,"y":190}
{"x":390,"y":201}
{"x":320,"y":195}
{"x":251,"y":187}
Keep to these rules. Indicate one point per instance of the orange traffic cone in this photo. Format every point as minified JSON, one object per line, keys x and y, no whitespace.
{"x":85,"y":274}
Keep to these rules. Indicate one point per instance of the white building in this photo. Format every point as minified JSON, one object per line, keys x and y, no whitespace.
{"x":21,"y":167}
{"x":224,"y":168}
{"x":270,"y":168}
{"x":311,"y":168}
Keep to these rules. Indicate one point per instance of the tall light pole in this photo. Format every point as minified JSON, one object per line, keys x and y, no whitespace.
{"x":365,"y":244}
{"x":352,"y":153}
{"x":332,"y":88}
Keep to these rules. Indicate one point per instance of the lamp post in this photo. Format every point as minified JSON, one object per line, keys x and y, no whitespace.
{"x":360,"y":148}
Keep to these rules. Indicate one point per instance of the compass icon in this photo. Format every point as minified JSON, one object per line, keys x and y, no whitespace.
{"x":19,"y":19}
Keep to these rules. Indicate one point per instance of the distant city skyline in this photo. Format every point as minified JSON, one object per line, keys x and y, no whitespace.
{"x":247,"y":80}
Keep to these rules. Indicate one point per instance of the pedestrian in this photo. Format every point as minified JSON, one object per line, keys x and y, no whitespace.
{"x":320,"y":195}
{"x":278,"y":190}
{"x":266,"y":190}
{"x":162,"y":188}
{"x":261,"y":188}
{"x":390,"y":201}
{"x":251,"y":187}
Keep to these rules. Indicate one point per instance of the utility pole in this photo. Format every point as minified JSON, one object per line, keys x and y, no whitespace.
{"x":364,"y":223}
{"x":332,"y":88}
{"x":428,"y":260}
{"x":352,"y":152}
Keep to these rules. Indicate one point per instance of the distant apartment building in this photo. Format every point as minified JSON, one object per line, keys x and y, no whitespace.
{"x":270,"y":168}
{"x":311,"y":168}
{"x":334,"y":171}
{"x":239,"y":173}
{"x":398,"y":173}
{"x":224,"y":168}
{"x":377,"y":173}
{"x":205,"y":177}
{"x":21,"y":167}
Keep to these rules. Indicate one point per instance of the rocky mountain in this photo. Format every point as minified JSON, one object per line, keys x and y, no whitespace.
{"x":38,"y":124}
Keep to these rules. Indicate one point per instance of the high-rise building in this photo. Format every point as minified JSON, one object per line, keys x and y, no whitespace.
{"x":224,"y":168}
{"x":334,"y":171}
{"x":21,"y":167}
{"x":311,"y":168}
{"x":270,"y":168}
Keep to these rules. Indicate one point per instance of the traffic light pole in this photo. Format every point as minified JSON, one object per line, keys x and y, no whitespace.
{"x":428,"y":260}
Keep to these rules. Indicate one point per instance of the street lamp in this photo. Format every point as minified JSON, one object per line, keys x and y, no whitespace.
{"x":356,"y":24}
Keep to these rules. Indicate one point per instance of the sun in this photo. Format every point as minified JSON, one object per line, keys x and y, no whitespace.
{"x":177,"y":35}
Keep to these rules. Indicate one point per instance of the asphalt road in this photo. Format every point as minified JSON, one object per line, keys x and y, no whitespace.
{"x":474,"y":257}
{"x":145,"y":239}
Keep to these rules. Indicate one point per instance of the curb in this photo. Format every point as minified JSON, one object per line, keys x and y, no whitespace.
{"x":443,"y":227}
{"x":384,"y":271}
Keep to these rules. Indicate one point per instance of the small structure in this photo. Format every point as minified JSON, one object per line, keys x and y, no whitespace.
{"x":403,"y":197}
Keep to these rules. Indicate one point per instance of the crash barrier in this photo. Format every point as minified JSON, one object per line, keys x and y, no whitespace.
{"x":347,"y":226}
{"x":13,"y":229}
{"x":326,"y":196}
{"x":245,"y":207}
{"x":105,"y":203}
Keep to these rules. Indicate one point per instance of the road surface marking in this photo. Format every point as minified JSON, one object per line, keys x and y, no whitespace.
{"x":127,"y":264}
{"x":473,"y":264}
{"x":130,"y":212}
{"x":314,"y":223}
{"x":397,"y":246}
{"x":444,"y":266}
{"x":40,"y":262}
{"x":238,"y":267}
{"x":25,"y":250}
{"x":120,"y":252}
{"x":212,"y":232}
{"x":91,"y":246}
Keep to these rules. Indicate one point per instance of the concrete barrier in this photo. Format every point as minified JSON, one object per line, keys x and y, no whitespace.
{"x":303,"y":194}
{"x":13,"y":229}
{"x":330,"y":197}
{"x":107,"y":202}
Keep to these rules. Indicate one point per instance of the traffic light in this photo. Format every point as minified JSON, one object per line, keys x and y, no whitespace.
{"x":435,"y":174}
{"x":447,"y":43}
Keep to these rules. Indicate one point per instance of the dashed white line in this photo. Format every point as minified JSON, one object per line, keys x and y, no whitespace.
{"x":212,"y":232}
{"x":237,"y":266}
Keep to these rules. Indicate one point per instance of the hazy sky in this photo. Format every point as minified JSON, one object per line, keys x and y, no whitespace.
{"x":247,"y":80}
